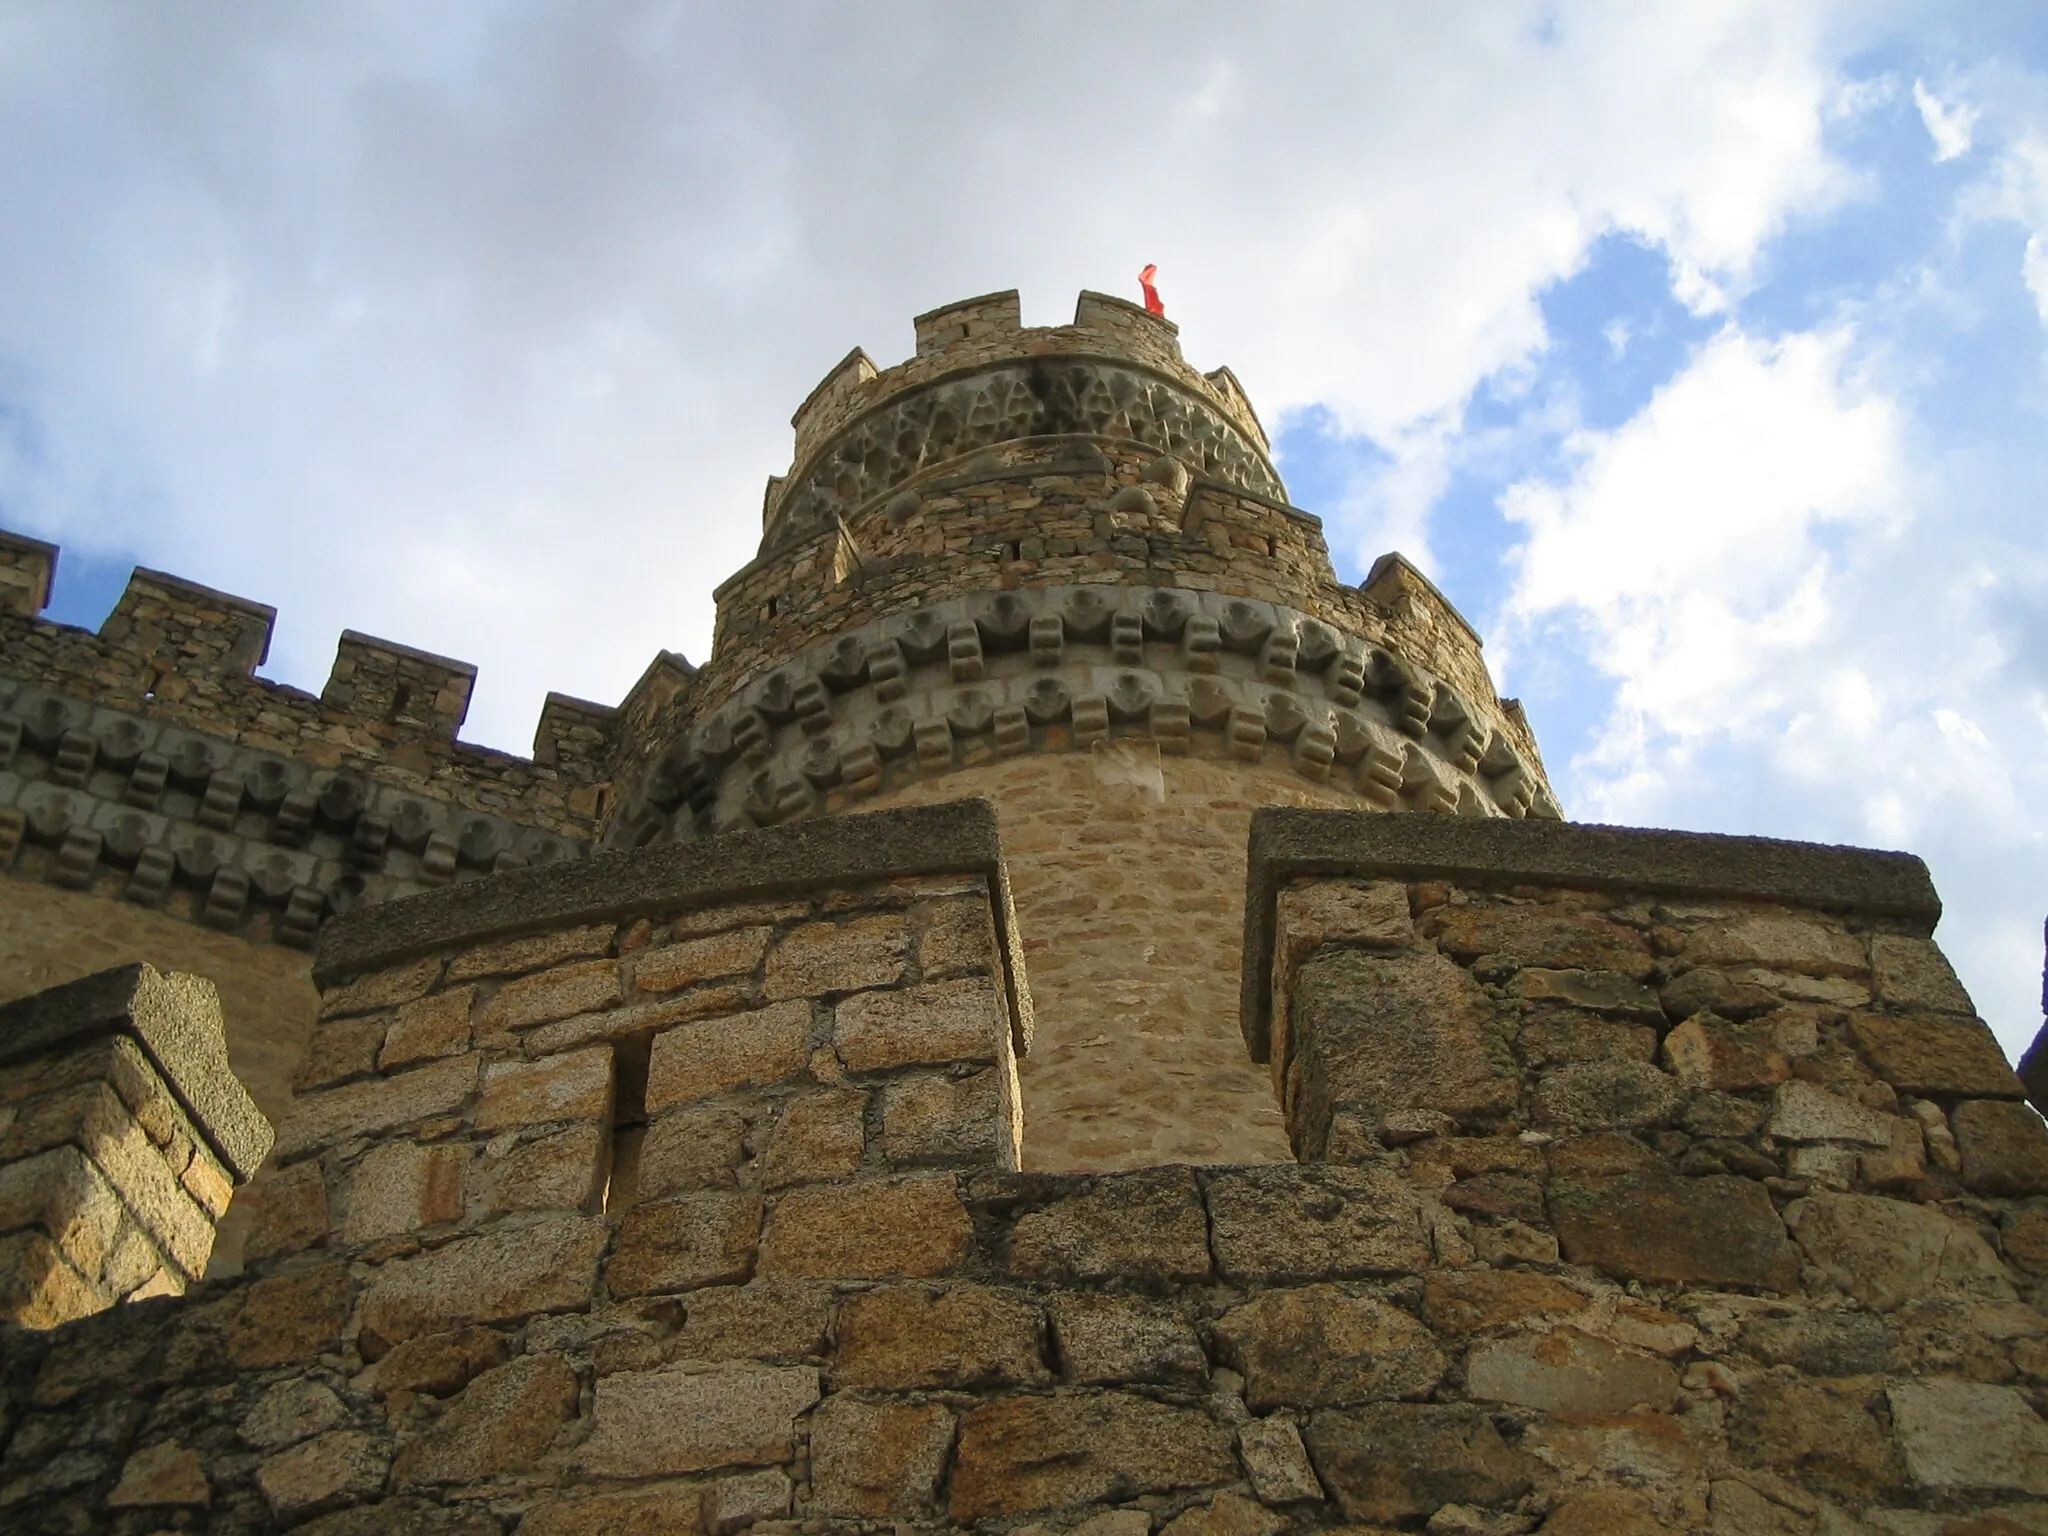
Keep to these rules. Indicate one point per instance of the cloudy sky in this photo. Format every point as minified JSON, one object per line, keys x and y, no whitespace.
{"x":1700,"y":351}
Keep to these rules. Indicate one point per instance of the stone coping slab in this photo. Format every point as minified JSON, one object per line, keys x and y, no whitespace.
{"x":1287,"y":841}
{"x":177,"y":1021}
{"x":955,"y":837}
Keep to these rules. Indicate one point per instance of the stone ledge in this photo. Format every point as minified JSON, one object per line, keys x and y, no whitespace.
{"x":1286,"y":842}
{"x":955,"y":837}
{"x":177,"y":1021}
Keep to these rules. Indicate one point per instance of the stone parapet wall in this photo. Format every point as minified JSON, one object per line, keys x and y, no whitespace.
{"x":1538,"y":1312}
{"x":123,"y":1133}
{"x":981,"y":333}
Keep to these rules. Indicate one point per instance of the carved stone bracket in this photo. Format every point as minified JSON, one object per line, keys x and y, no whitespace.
{"x":995,"y":675}
{"x":106,"y":795}
{"x":1035,"y":397}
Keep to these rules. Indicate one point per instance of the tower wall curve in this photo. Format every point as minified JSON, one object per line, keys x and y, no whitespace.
{"x":1056,"y":566}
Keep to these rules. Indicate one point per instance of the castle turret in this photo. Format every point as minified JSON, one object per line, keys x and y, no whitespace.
{"x":1056,"y":566}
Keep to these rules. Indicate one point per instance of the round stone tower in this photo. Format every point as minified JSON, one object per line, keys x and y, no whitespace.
{"x":1056,"y":567}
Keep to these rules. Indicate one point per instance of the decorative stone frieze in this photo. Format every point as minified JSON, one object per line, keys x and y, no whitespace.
{"x":1063,"y":668}
{"x":951,"y":419}
{"x":96,"y":798}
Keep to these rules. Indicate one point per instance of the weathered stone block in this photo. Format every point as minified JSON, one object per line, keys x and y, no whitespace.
{"x":1820,"y":1343}
{"x":2004,"y":1146}
{"x":732,"y":1504}
{"x":1931,"y":1053}
{"x":1285,"y":1222}
{"x":665,"y":1509}
{"x":400,"y":1187}
{"x":510,"y":956}
{"x":1372,"y":915}
{"x":1706,"y":1052}
{"x":382,"y":989}
{"x":1377,"y":1033}
{"x":561,"y":1172}
{"x":958,"y":936}
{"x":820,"y":1136}
{"x":678,"y":1245}
{"x":1401,"y":1462}
{"x":1560,"y":1036}
{"x":933,"y":1024}
{"x":690,"y":1148}
{"x":1565,"y":1371}
{"x":1913,"y":973}
{"x":647,"y":1423}
{"x":1146,"y":1228}
{"x":1825,"y":1436}
{"x":440,"y":1363}
{"x":822,"y":958}
{"x":1542,"y":936}
{"x":908,"y":1226}
{"x":1614,"y":1205}
{"x":574,"y":1086}
{"x":428,"y":1028}
{"x":547,"y":996}
{"x":1600,"y":992}
{"x":878,"y":1459}
{"x":1604,"y":1512}
{"x":1888,"y":1252}
{"x":1468,"y":1300}
{"x":1112,"y":1340}
{"x":1228,"y":1514}
{"x":933,"y":1117}
{"x":736,"y":952}
{"x":377,"y":1104}
{"x":545,"y":1265}
{"x":1779,"y":941}
{"x":290,"y":1212}
{"x":1276,"y":1461}
{"x":649,"y":1016}
{"x":293,"y":1410}
{"x":765,"y":1320}
{"x":1803,"y":1111}
{"x":503,"y":1420}
{"x":290,"y":1319}
{"x":1605,"y":1095}
{"x":1316,"y":1347}
{"x":1019,"y":1454}
{"x":160,"y":1475}
{"x":708,"y":1056}
{"x":912,"y":1336}
{"x":342,"y":1465}
{"x":1964,"y":1435}
{"x":340,"y":1049}
{"x":62,"y":1192}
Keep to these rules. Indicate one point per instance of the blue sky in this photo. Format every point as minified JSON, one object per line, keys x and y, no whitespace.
{"x":1697,"y":352}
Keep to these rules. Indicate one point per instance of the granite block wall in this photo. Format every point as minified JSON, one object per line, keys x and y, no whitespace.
{"x":1712,"y":1215}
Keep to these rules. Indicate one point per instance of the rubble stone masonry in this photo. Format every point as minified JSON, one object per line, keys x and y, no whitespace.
{"x":1650,"y":1182}
{"x":1073,"y":1022}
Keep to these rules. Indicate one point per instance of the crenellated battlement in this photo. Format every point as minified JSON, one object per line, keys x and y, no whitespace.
{"x":980,"y":378}
{"x":148,"y":763}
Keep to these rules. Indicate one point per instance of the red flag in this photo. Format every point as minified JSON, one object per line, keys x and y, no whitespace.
{"x":1152,"y":304}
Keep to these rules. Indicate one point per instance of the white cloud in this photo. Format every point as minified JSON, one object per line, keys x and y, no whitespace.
{"x":1802,"y":639}
{"x":1687,"y":535}
{"x":1949,"y":126}
{"x":479,"y":328}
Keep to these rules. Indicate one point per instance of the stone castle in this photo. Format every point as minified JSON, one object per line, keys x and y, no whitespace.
{"x":1072,"y":1020}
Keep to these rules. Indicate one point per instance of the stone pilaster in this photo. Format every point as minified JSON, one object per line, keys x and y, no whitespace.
{"x":123,"y":1132}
